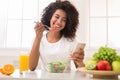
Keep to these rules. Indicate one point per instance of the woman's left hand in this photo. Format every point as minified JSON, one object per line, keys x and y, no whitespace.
{"x":78,"y":57}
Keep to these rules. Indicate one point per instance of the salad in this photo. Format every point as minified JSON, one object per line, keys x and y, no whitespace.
{"x":56,"y":67}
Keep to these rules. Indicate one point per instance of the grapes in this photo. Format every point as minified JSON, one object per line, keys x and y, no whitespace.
{"x":106,"y":53}
{"x":117,"y":57}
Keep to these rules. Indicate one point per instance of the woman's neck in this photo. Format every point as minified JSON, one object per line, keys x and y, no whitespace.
{"x":53,"y":37}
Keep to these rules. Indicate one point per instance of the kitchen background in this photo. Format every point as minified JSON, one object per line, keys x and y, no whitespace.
{"x":99,"y":26}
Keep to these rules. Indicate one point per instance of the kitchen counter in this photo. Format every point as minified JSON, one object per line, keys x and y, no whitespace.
{"x":42,"y":75}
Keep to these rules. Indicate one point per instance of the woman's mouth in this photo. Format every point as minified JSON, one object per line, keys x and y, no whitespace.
{"x":54,"y":27}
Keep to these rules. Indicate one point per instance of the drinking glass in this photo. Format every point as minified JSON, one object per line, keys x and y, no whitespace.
{"x":23,"y":63}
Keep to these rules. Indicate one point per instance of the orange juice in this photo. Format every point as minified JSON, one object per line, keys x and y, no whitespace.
{"x":24,"y":60}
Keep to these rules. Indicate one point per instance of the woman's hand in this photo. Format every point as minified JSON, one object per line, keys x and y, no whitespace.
{"x":78,"y":57}
{"x":39,"y":29}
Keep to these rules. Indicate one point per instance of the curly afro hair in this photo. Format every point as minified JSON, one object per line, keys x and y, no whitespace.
{"x":72,"y":17}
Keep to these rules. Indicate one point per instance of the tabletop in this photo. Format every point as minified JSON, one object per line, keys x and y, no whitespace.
{"x":43,"y":75}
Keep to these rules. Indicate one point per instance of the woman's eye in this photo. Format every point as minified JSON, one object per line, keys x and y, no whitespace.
{"x":64,"y":20}
{"x":56,"y":17}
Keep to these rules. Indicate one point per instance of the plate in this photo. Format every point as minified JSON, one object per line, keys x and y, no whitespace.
{"x":100,"y":73}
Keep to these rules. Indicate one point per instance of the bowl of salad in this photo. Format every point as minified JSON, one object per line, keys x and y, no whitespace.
{"x":56,"y":67}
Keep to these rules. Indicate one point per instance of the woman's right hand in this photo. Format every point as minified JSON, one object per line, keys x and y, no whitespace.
{"x":34,"y":54}
{"x":39,"y":29}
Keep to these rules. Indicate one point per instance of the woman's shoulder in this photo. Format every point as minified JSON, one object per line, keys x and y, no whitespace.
{"x":69,"y":41}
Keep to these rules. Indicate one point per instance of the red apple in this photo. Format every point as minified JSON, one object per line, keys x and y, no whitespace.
{"x":108,"y":65}
{"x":104,"y":65}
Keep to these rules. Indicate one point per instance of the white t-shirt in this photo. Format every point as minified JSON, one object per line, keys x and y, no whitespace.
{"x":58,"y":51}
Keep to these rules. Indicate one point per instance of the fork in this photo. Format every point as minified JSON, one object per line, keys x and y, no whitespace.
{"x":46,"y":26}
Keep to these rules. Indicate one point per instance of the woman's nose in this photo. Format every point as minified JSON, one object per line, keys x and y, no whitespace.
{"x":59,"y":21}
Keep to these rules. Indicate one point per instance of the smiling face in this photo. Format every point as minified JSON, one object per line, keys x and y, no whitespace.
{"x":58,"y":20}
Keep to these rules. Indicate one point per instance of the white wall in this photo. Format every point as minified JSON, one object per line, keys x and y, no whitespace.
{"x":12,"y":55}
{"x":82,"y":6}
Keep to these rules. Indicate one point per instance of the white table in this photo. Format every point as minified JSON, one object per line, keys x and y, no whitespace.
{"x":42,"y":75}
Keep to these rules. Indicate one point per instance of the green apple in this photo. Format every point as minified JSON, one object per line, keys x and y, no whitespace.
{"x":116,"y":65}
{"x":90,"y":64}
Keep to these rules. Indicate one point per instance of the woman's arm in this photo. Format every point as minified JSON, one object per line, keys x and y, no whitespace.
{"x":34,"y":54}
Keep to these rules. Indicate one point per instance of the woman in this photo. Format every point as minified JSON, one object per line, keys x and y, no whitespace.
{"x":57,"y":41}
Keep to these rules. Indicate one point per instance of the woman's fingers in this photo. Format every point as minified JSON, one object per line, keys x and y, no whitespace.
{"x":81,"y":51}
{"x":39,"y":29}
{"x":78,"y":57}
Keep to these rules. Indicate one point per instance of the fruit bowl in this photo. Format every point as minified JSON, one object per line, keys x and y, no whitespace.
{"x":56,"y":67}
{"x":98,"y":73}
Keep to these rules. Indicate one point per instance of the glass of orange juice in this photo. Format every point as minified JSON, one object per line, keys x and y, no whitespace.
{"x":23,"y":63}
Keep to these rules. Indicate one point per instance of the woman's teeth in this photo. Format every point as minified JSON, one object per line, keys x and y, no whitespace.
{"x":57,"y":26}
